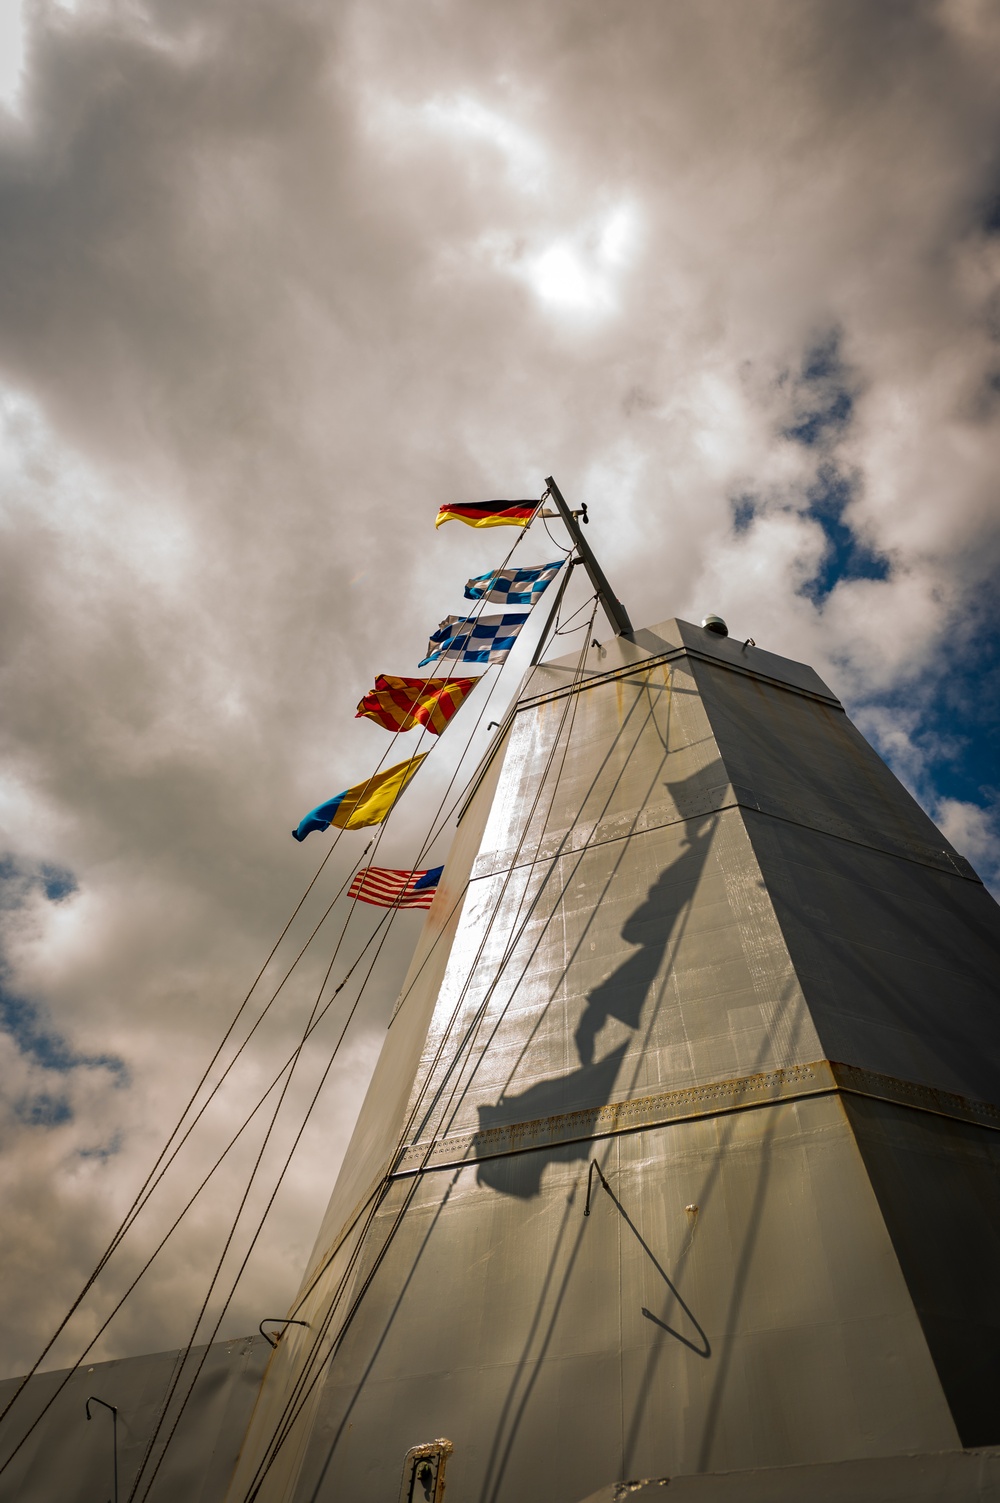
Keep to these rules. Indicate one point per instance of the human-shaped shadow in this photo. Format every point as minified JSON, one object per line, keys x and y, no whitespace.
{"x":650,"y":927}
{"x":622,"y":996}
{"x":521,"y":1175}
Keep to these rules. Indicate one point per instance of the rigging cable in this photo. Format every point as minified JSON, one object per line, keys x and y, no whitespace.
{"x":402,"y":999}
{"x":313,"y":1022}
{"x":304,"y":1385}
{"x":292,"y":1408}
{"x":569,"y":712}
{"x":428,"y":1077}
{"x":155,"y":1177}
{"x":429,"y":1074}
{"x":394,"y":909}
{"x":442,"y":930}
{"x":138,"y":1202}
{"x":171,"y":1149}
{"x":228,"y":1242}
{"x":174,"y":1225}
{"x":583,"y":850}
{"x":555,"y":541}
{"x":566,"y":628}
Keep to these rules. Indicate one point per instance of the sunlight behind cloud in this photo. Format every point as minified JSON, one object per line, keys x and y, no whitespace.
{"x":617,"y":236}
{"x":559,"y":275}
{"x":581,"y":274}
{"x":525,"y":158}
{"x":11,"y":51}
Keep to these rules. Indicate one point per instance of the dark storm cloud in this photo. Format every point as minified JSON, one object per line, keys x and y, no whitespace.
{"x":276,"y":279}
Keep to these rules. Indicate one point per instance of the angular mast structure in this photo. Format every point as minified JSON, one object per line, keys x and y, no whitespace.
{"x":681,"y":1152}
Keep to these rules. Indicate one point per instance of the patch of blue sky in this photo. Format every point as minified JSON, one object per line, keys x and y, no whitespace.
{"x":57,"y":883}
{"x":954,"y":710}
{"x":822,"y":395}
{"x":846,"y":556}
{"x":951,"y":749}
{"x":45,"y":1110}
{"x":15,"y":883}
{"x":21,"y":1019}
{"x":958,"y":707}
{"x":103,"y":1151}
{"x":744,"y":510}
{"x":18,"y":880}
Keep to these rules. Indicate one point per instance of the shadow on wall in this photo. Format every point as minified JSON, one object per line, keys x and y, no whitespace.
{"x":701,"y":1347}
{"x":622,"y":996}
{"x":651,"y":927}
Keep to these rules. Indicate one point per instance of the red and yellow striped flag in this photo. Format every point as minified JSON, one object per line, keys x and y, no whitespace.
{"x":399,"y":704}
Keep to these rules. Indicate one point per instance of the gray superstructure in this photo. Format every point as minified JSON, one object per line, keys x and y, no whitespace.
{"x":680,"y":1157}
{"x":701,"y":967}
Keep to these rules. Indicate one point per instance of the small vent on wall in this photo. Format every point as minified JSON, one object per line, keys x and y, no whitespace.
{"x":423,"y":1472}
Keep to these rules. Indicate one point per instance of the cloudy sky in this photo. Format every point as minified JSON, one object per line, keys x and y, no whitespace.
{"x":278,"y":278}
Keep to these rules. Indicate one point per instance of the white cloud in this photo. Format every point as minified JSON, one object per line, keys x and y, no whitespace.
{"x":275,"y":281}
{"x":11,"y":51}
{"x":975,"y":831}
{"x":472,"y":123}
{"x":581,"y":273}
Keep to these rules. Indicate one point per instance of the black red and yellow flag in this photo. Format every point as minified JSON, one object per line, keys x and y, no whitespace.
{"x":490,"y":513}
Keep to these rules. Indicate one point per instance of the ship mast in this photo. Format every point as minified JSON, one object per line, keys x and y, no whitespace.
{"x":613,"y":608}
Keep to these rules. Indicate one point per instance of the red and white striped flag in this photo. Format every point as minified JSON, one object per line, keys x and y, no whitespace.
{"x":386,"y":888}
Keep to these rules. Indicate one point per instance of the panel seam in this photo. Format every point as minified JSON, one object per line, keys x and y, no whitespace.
{"x":754,"y":808}
{"x":631,"y":669}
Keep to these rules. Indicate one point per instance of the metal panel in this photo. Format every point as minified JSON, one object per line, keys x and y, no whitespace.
{"x":69,"y":1459}
{"x":805,"y":762}
{"x":771,"y":1325}
{"x":672,"y":637}
{"x":945,"y":1477}
{"x":938,"y":1184}
{"x":678,"y":977}
{"x":899,"y":962}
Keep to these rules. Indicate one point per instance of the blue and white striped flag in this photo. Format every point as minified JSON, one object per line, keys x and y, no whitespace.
{"x":487,"y":640}
{"x":513,"y":586}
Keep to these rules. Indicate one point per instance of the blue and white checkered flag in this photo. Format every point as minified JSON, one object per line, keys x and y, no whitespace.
{"x":513,"y":586}
{"x":487,"y":640}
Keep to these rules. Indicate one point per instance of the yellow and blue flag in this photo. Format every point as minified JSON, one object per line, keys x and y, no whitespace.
{"x":365,"y":804}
